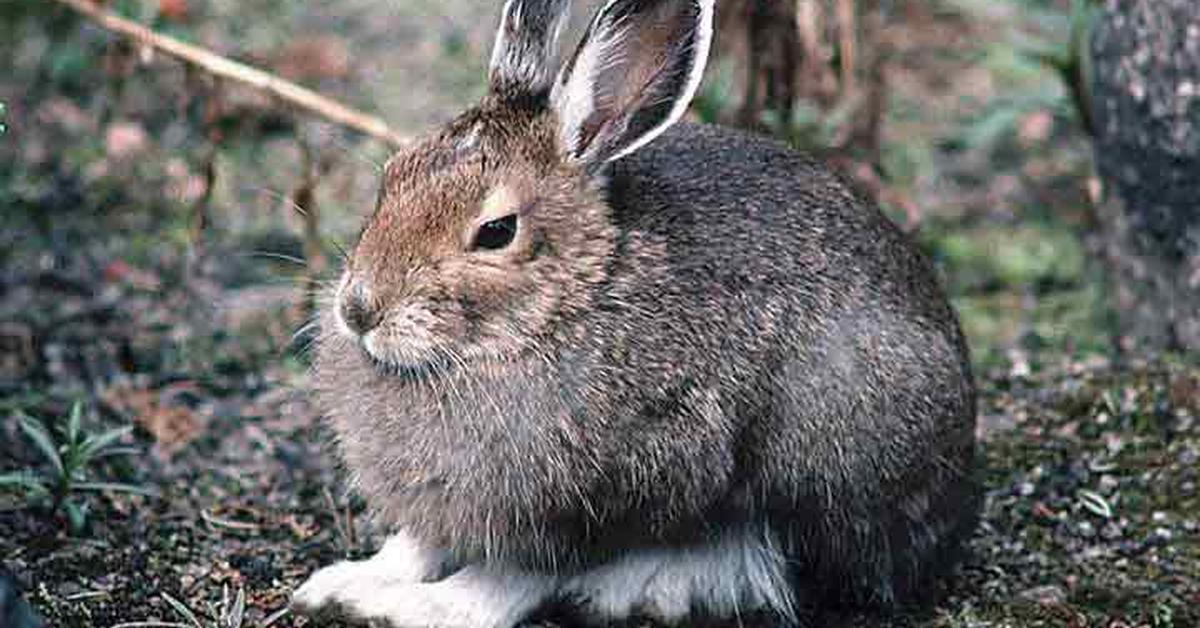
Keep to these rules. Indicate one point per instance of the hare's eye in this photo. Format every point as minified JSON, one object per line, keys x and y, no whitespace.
{"x":496,"y":234}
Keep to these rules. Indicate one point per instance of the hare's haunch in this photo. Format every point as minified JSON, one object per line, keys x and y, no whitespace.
{"x":582,"y":354}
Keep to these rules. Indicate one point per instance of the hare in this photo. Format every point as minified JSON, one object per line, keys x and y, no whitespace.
{"x":585,"y":355}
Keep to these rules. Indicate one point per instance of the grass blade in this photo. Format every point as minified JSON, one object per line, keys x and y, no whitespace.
{"x":73,"y":422}
{"x":237,"y":613}
{"x":77,"y":513}
{"x":41,"y":438}
{"x":98,"y":443}
{"x":183,"y":610}
{"x":1095,"y":503}
{"x":115,"y":487}
{"x":110,"y":452}
{"x":24,"y":480}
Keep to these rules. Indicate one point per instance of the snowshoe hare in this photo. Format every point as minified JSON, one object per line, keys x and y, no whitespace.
{"x":584,"y":355}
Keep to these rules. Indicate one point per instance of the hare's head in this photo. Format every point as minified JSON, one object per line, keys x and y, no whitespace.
{"x":492,"y":231}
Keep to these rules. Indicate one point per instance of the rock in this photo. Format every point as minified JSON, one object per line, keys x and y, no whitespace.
{"x":15,"y":612}
{"x":124,"y":140}
{"x":1046,"y":595}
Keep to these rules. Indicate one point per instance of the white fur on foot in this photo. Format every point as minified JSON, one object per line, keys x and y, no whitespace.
{"x":739,"y":573}
{"x":471,"y":598}
{"x":401,"y":560}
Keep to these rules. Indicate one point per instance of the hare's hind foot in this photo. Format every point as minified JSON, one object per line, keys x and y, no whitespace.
{"x":739,"y":573}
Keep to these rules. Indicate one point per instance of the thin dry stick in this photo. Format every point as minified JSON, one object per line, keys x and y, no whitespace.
{"x":305,"y":199}
{"x":217,"y":65}
{"x":816,"y":77}
{"x":846,"y":36}
{"x":200,"y":215}
{"x":807,"y":16}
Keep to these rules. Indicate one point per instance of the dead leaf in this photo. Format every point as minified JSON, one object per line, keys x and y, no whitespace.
{"x":124,"y":140}
{"x":172,"y":426}
{"x":312,"y":59}
{"x":121,"y":271}
{"x":67,"y":114}
{"x":1035,"y":128}
{"x":1185,"y":392}
{"x":174,"y":10}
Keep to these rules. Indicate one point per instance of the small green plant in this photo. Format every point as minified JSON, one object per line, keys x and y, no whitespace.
{"x":1164,"y":616}
{"x":70,"y":462}
{"x":3,"y":127}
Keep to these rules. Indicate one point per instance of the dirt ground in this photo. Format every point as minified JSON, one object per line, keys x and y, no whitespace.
{"x":1092,"y":517}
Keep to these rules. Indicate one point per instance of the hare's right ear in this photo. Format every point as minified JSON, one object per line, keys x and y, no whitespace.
{"x":633,"y":76}
{"x":525,"y":48}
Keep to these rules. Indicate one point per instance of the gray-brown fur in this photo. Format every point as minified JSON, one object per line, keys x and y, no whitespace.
{"x":710,"y":333}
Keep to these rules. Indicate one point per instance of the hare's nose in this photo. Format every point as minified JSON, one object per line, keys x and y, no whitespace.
{"x":359,"y":311}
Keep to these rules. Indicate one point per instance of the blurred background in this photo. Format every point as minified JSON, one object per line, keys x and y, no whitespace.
{"x":167,"y":235}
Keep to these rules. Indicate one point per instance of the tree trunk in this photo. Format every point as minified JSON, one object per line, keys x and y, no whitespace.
{"x":1146,"y":82}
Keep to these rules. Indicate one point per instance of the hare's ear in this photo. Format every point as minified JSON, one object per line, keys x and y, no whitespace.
{"x":633,"y":76}
{"x":526,"y":45}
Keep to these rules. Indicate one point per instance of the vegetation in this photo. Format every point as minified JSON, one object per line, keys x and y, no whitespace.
{"x":70,"y":460}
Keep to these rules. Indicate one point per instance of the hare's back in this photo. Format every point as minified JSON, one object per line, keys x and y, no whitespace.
{"x":739,"y":208}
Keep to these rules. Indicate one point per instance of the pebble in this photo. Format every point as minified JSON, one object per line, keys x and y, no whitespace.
{"x":1046,"y":595}
{"x":1025,"y":489}
{"x":1085,"y":529}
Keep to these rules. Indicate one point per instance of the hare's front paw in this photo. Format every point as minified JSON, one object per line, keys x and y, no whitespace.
{"x":471,"y":598}
{"x":397,"y":605}
{"x":402,"y":560}
{"x":322,"y":588}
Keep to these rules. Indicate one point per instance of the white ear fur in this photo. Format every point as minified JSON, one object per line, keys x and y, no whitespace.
{"x":576,"y":91}
{"x":526,"y":44}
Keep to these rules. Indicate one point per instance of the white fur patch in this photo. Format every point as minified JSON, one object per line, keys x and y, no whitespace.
{"x":740,"y":573}
{"x":401,"y":560}
{"x":339,"y":322}
{"x":471,"y":598}
{"x":500,"y":202}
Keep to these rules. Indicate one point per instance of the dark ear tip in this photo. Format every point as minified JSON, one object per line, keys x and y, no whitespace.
{"x":526,"y":45}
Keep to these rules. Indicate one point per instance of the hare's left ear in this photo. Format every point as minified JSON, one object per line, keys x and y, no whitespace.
{"x":633,"y":76}
{"x":525,"y":48}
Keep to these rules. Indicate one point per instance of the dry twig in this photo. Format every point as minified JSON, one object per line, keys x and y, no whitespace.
{"x":208,"y":61}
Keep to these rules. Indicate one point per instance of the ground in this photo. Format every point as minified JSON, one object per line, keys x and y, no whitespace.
{"x":1089,"y":457}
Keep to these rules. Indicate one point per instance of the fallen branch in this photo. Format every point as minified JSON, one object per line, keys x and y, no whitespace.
{"x":217,"y":65}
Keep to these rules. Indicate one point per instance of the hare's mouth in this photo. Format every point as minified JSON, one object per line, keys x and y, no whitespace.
{"x":420,"y":371}
{"x":407,"y":364}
